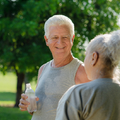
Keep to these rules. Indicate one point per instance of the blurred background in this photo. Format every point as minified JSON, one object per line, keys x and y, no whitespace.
{"x":22,"y":46}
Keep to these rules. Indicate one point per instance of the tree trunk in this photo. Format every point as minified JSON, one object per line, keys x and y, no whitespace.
{"x":20,"y":80}
{"x":26,"y":81}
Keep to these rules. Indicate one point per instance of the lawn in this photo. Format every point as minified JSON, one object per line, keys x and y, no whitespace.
{"x":7,"y":113}
{"x":7,"y":98}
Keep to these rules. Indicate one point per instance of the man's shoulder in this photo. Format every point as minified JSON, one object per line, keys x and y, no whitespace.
{"x":42,"y":67}
{"x":81,"y":75}
{"x":45,"y":64}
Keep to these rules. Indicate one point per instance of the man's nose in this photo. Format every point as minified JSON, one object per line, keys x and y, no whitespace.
{"x":59,"y":41}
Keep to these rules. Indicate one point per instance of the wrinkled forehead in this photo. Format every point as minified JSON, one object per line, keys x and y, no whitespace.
{"x":62,"y":30}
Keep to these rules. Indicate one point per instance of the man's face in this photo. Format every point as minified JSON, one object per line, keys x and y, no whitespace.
{"x":59,"y":41}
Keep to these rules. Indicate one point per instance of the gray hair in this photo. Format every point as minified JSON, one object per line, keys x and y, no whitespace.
{"x":108,"y":46}
{"x":58,"y":20}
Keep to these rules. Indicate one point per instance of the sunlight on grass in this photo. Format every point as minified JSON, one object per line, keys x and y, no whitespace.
{"x":8,"y":83}
{"x":7,"y":103}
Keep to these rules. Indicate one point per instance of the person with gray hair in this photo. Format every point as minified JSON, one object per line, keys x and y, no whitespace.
{"x":60,"y":73}
{"x":100,"y":98}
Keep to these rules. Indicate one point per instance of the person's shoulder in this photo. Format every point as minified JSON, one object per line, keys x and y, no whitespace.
{"x":72,"y":91}
{"x":81,"y":70}
{"x":40,"y":71}
{"x":42,"y":67}
{"x":95,"y":85}
{"x":83,"y":89}
{"x":81,"y":76}
{"x":81,"y":65}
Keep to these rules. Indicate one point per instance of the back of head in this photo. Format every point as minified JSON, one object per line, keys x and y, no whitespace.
{"x":58,"y":20}
{"x":108,"y":47}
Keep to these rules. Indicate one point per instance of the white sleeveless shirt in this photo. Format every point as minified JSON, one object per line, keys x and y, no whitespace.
{"x":53,"y":83}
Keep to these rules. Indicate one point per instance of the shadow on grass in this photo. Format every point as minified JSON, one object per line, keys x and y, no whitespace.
{"x":13,"y":114}
{"x":7,"y":96}
{"x":7,"y":111}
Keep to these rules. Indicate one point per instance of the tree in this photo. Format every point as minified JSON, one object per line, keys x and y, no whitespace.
{"x":91,"y":17}
{"x":22,"y":45}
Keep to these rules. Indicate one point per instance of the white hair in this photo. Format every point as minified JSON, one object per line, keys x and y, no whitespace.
{"x":108,"y":46}
{"x":58,"y":20}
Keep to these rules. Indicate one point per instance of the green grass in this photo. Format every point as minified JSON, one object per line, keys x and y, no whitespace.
{"x":7,"y":98}
{"x":8,"y":84}
{"x":7,"y":89}
{"x":7,"y":113}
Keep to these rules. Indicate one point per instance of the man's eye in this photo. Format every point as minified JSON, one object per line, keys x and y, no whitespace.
{"x":65,"y":37}
{"x":54,"y":37}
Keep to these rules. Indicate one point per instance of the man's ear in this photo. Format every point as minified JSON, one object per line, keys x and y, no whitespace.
{"x":73,"y":38}
{"x":95,"y":57}
{"x":46,"y":40}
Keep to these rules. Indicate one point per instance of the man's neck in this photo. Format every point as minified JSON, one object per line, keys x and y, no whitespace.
{"x":61,"y":61}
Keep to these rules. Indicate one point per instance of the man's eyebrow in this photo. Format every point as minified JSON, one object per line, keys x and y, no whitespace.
{"x":54,"y":36}
{"x":66,"y":35}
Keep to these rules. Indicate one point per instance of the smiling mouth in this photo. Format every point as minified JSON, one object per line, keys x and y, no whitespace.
{"x":60,"y":48}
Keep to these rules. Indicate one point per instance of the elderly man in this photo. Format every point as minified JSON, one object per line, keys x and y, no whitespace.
{"x":56,"y":76}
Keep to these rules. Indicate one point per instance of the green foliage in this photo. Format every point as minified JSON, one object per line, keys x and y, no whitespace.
{"x":22,"y":38}
{"x":91,"y":17}
{"x":22,"y":45}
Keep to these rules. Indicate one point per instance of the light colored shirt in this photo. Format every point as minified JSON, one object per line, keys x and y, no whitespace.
{"x":53,"y":83}
{"x":95,"y":100}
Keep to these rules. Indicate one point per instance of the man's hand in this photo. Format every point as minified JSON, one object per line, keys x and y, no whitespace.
{"x":23,"y":102}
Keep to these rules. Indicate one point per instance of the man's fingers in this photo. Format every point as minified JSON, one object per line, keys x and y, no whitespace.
{"x":23,"y":107}
{"x":24,"y":102}
{"x":24,"y":96}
